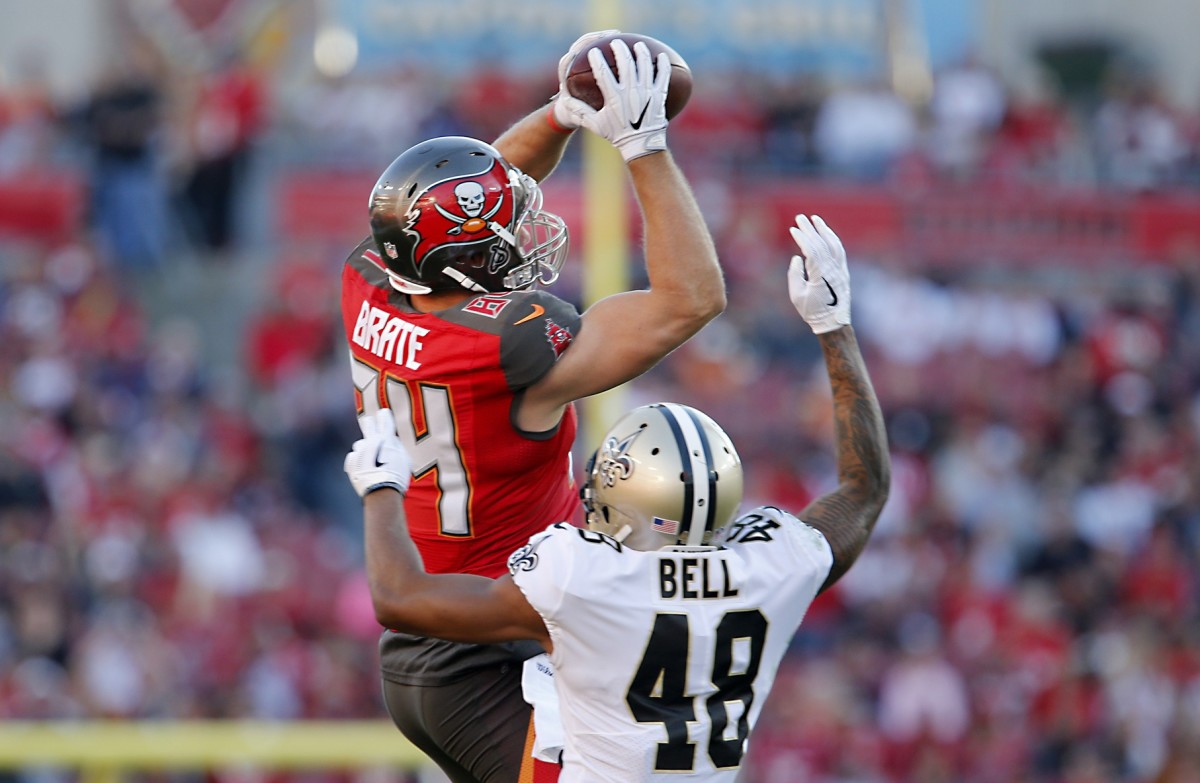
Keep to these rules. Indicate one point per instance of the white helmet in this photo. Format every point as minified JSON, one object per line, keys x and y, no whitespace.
{"x":664,"y":475}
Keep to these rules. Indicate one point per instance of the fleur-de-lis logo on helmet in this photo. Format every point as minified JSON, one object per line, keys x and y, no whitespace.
{"x":615,"y":462}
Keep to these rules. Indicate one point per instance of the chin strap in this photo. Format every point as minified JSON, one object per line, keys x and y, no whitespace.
{"x":463,"y":280}
{"x":503,"y":233}
{"x":622,"y":534}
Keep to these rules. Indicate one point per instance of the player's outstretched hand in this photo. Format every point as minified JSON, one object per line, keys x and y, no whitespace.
{"x":564,"y":116}
{"x":378,"y":459}
{"x":818,"y":278}
{"x":634,"y":115}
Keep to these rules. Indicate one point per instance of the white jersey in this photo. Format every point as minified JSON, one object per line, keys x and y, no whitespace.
{"x":663,"y":659}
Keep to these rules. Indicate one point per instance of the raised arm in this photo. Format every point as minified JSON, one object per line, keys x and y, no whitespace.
{"x":536,"y":143}
{"x":625,"y":334}
{"x":819,"y":284}
{"x":458,"y":607}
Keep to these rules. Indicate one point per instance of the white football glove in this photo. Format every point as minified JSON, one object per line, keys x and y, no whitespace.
{"x":634,"y":115}
{"x":567,"y":119}
{"x":818,"y":278}
{"x":378,"y":459}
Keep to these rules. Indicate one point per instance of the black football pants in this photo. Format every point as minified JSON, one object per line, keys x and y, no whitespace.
{"x":474,"y":728}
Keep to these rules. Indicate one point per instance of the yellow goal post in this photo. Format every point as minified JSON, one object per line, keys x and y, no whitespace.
{"x":606,"y":254}
{"x":103,"y":750}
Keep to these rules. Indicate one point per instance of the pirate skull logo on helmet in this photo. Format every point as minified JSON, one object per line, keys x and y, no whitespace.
{"x":459,"y":216}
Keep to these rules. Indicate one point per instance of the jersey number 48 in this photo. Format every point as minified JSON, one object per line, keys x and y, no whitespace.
{"x":659,"y":692}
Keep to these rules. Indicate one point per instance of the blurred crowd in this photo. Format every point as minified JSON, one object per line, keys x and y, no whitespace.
{"x":178,"y":541}
{"x":1124,"y":134}
{"x":1027,"y":609}
{"x":164,"y":152}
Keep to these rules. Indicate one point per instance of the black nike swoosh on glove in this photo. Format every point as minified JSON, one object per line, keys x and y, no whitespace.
{"x":379,"y":464}
{"x":637,"y":124}
{"x":832,"y":293}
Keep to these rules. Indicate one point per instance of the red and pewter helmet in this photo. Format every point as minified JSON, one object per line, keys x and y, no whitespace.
{"x":451,"y":212}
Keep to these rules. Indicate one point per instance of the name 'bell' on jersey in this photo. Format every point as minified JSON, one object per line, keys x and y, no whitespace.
{"x":480,"y":486}
{"x":663,"y":658}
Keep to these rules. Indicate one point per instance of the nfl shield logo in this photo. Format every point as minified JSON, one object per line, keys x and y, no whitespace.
{"x":390,"y":249}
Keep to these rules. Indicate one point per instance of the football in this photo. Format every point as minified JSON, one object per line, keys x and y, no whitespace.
{"x":582,"y":84}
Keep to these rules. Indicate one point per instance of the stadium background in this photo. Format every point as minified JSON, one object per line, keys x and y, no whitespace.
{"x":1018,"y":184}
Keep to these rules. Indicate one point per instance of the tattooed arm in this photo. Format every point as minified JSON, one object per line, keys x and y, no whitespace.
{"x":846,"y":516}
{"x":819,"y":285}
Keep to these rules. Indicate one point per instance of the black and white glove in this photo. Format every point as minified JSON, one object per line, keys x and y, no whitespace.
{"x":634,"y":115}
{"x":378,"y":459}
{"x":564,"y":116}
{"x":818,"y":278}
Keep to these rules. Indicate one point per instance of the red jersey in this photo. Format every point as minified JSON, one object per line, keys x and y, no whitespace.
{"x":481,"y":486}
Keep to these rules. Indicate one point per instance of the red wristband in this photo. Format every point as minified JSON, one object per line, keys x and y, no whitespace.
{"x":554,"y":123}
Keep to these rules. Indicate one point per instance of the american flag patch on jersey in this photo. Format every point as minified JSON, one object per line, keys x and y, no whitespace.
{"x":668,"y":526}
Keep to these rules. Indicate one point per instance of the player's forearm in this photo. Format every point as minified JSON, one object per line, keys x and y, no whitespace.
{"x":458,"y":607}
{"x":533,"y":145}
{"x":863,"y":465}
{"x":862,"y":456}
{"x":393,"y":563}
{"x":404,"y":596}
{"x":681,"y":260}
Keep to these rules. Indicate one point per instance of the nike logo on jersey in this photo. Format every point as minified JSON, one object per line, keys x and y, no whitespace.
{"x":637,"y":124}
{"x":832,"y":293}
{"x":537,"y":310}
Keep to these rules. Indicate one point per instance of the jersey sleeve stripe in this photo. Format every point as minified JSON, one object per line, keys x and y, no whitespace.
{"x":367,"y":262}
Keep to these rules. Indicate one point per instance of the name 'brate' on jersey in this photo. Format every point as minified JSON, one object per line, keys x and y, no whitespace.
{"x":388,"y":336}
